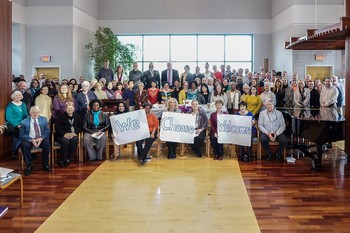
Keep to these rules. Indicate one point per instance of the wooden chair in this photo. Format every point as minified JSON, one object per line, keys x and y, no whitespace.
{"x":55,"y":146}
{"x":183,"y":147}
{"x":32,"y":151}
{"x":7,"y":183}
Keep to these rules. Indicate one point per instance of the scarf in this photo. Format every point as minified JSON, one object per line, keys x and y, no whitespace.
{"x":96,"y":119}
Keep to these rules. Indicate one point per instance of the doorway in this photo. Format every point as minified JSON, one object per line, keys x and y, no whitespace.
{"x":50,"y":72}
{"x":319,"y":72}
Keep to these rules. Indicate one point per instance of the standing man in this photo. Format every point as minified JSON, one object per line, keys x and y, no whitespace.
{"x":329,"y":94}
{"x":27,"y":98}
{"x":170,"y":75}
{"x":272,"y":125}
{"x":150,"y":76}
{"x":198,"y":74}
{"x":340,"y":99}
{"x":135,"y":75}
{"x":106,"y":72}
{"x":35,"y":132}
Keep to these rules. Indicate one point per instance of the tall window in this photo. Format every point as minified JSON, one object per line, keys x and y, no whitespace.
{"x":192,"y":50}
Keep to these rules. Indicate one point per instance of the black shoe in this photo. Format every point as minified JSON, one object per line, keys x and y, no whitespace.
{"x":200,"y":155}
{"x":173,"y":156}
{"x":142,"y":161}
{"x":46,"y":167}
{"x":61,"y":163}
{"x":279,"y":157}
{"x":28,"y":170}
{"x":268,"y":157}
{"x":170,"y":156}
{"x":67,"y":163}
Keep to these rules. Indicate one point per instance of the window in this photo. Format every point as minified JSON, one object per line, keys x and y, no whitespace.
{"x":192,"y":50}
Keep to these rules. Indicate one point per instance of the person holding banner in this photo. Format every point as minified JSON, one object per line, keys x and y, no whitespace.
{"x":201,"y":126}
{"x":272,"y":125}
{"x":218,"y":148}
{"x":172,"y":107}
{"x":122,"y":108}
{"x":244,"y":112}
{"x":95,"y":124}
{"x":152,"y":121}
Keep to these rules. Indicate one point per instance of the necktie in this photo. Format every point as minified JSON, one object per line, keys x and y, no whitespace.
{"x":169,"y":77}
{"x":36,"y":129}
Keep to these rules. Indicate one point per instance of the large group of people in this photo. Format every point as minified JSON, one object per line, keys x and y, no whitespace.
{"x":74,"y":106}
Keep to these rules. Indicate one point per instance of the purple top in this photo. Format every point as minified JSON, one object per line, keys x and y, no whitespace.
{"x":59,"y":106}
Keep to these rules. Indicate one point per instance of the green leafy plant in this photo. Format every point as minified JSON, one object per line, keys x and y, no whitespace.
{"x":107,"y":46}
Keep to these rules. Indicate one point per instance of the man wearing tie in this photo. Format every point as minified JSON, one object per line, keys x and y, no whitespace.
{"x":34,"y":132}
{"x":170,"y":75}
{"x":151,"y":75}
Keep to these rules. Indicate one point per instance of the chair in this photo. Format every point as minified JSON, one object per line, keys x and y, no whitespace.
{"x":7,"y":183}
{"x":32,"y":151}
{"x":82,"y":155}
{"x":206,"y":141}
{"x":55,"y":146}
{"x":270,"y":144}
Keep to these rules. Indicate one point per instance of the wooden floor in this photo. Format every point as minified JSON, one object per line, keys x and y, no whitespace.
{"x":284,"y":197}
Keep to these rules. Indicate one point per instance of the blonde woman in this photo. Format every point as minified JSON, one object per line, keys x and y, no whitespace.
{"x":44,"y":102}
{"x":101,"y":94}
{"x":172,"y":106}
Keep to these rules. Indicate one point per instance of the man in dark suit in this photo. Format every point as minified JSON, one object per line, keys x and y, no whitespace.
{"x":35,"y":132}
{"x":151,"y":75}
{"x":170,"y":75}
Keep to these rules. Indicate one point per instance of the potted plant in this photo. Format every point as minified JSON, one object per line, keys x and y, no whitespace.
{"x":107,"y":46}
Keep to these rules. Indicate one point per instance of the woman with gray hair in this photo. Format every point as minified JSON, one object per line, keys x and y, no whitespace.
{"x":16,"y":111}
{"x":83,"y":99}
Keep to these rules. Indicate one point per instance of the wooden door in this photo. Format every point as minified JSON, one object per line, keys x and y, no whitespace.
{"x":50,"y":72}
{"x":319,"y":72}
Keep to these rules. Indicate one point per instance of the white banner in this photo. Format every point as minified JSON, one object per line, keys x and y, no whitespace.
{"x":129,"y":127}
{"x":177,"y":127}
{"x":235,"y":129}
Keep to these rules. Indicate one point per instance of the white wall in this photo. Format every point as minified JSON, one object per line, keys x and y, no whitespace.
{"x":294,"y":21}
{"x":18,"y":49}
{"x":184,"y":9}
{"x":55,"y":28}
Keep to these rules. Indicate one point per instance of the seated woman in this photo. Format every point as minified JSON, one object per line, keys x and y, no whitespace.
{"x":219,"y":94}
{"x":67,"y":128}
{"x":118,"y":94}
{"x":153,"y":93}
{"x":122,"y":108}
{"x":253,"y":101}
{"x":59,"y":101}
{"x":183,"y":93}
{"x":140,"y":96}
{"x":99,"y":92}
{"x":218,"y":148}
{"x":95,"y":124}
{"x":153,"y":127}
{"x":16,"y":111}
{"x":192,"y":93}
{"x":172,"y":107}
{"x":164,"y":93}
{"x":201,"y":127}
{"x":244,"y":112}
{"x":204,"y":95}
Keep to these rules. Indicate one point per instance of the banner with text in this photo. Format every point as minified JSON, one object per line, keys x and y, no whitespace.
{"x":235,"y":129}
{"x":177,"y":127}
{"x":129,"y":127}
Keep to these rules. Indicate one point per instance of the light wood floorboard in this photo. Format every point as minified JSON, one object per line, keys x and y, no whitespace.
{"x":182,"y":195}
